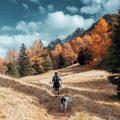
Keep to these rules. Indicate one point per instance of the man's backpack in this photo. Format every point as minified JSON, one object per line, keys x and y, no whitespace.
{"x":56,"y":79}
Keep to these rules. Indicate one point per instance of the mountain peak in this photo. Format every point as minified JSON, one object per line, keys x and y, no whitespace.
{"x":79,"y":32}
{"x":52,"y":44}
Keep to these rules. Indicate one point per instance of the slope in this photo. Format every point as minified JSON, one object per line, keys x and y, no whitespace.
{"x":32,"y":97}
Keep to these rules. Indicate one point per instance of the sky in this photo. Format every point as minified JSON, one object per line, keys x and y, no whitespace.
{"x":24,"y":21}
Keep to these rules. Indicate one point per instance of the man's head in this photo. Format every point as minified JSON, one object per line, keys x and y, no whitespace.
{"x":55,"y":73}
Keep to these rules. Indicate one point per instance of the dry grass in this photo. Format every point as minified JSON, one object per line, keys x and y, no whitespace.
{"x":84,"y":116}
{"x":32,"y":97}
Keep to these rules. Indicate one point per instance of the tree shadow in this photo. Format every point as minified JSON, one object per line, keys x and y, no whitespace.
{"x":100,"y":84}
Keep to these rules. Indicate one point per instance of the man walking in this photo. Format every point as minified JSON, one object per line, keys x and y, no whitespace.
{"x":56,"y":84}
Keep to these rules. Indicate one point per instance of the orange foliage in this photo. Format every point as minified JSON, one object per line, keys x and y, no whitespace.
{"x":101,"y":38}
{"x":12,"y":56}
{"x":76,"y":44}
{"x":36,"y":52}
{"x":58,"y":48}
{"x":68,"y":53}
{"x":2,"y":66}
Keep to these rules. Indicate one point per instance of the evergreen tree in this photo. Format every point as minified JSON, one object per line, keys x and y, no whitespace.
{"x":24,"y":65}
{"x":61,"y":61}
{"x":113,"y":62}
{"x":84,"y":56}
{"x":37,"y":68}
{"x":12,"y":70}
{"x":47,"y":65}
{"x":81,"y":57}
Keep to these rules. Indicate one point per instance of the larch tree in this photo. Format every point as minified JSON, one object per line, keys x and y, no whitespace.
{"x":101,"y":39}
{"x":37,"y":56}
{"x":11,"y":63}
{"x":2,"y":66}
{"x":76,"y":44}
{"x":55,"y":55}
{"x":68,"y":54}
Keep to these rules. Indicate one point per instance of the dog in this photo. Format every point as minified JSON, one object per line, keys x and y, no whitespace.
{"x":65,"y":103}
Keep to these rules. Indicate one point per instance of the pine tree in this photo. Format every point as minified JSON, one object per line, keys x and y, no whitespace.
{"x":114,"y":51}
{"x":61,"y":61}
{"x":47,"y":65}
{"x":24,"y":65}
{"x":84,"y":56}
{"x":81,"y":57}
{"x":114,"y":54}
{"x":12,"y":70}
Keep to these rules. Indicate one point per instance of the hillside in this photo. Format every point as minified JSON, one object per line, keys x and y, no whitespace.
{"x":32,"y":97}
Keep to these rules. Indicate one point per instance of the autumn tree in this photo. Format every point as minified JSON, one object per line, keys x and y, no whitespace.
{"x":2,"y":66}
{"x":39,"y":57}
{"x":55,"y":55}
{"x":101,"y":39}
{"x":36,"y":54}
{"x":11,"y":63}
{"x":76,"y":44}
{"x":68,"y":54}
{"x":12,"y":56}
{"x":24,"y":65}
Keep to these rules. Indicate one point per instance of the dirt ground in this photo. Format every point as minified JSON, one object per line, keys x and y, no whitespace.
{"x":32,"y":98}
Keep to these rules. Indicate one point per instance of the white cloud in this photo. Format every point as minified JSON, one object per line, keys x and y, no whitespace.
{"x":50,"y":8}
{"x":7,"y":28}
{"x":29,"y":27}
{"x":93,"y":1}
{"x":72,"y":9}
{"x":110,"y":6}
{"x":15,"y":41}
{"x":34,"y":1}
{"x":93,"y":9}
{"x":41,"y":9}
{"x":56,"y":24}
{"x":65,"y":22}
{"x":100,"y":7}
{"x":52,"y":27}
{"x":13,"y":1}
{"x":3,"y":51}
{"x":25,"y":6}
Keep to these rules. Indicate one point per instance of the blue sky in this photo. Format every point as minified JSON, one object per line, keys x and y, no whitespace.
{"x":23,"y":21}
